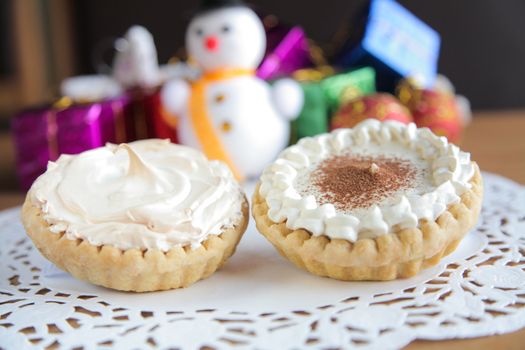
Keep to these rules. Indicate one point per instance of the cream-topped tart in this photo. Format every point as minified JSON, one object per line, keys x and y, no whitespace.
{"x":379,"y":201}
{"x":148,"y":215}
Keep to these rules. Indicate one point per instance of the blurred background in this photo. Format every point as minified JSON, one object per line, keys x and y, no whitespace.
{"x":44,"y":41}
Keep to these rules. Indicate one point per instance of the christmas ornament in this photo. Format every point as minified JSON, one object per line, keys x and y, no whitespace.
{"x":437,"y":108}
{"x":439,"y":112}
{"x":381,"y":106}
{"x":228,"y":112}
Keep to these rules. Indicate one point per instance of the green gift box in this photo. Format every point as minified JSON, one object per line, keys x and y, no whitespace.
{"x":313,"y":119}
{"x":322,"y":97}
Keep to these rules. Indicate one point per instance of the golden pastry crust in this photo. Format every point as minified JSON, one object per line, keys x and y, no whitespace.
{"x":398,"y":254}
{"x":133,"y":269}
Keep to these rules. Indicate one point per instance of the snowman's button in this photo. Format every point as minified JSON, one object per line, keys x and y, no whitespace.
{"x":219,"y":98}
{"x":226,"y":126}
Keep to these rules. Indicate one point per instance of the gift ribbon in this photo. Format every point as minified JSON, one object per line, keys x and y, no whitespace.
{"x":322,"y":68}
{"x":140,"y":120}
{"x":313,"y":74}
{"x":120,"y":125}
{"x":350,"y":93}
{"x":52,"y":135}
{"x":202,"y":125}
{"x":408,"y":90}
{"x":52,"y":127}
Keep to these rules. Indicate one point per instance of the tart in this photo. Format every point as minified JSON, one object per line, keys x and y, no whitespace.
{"x":380,"y":201}
{"x":145,"y":216}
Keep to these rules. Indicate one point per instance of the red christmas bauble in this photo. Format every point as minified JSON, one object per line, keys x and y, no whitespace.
{"x":436,"y":110}
{"x":439,"y":112}
{"x":380,"y":106}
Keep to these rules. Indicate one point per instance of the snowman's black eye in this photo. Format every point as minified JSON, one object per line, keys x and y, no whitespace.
{"x":225,"y":28}
{"x":199,"y":31}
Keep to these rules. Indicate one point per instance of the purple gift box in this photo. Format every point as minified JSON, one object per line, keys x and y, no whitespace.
{"x":286,"y":51}
{"x":42,"y":134}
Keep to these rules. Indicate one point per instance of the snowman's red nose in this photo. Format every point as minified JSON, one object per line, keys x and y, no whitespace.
{"x":211,"y":43}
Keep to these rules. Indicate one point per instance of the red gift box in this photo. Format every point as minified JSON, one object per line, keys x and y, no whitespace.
{"x":158,"y":123}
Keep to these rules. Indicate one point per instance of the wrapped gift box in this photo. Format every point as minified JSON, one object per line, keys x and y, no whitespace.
{"x":42,"y":134}
{"x":396,"y":43}
{"x":286,"y":50}
{"x":324,"y":94}
{"x":158,"y":122}
{"x":313,"y":119}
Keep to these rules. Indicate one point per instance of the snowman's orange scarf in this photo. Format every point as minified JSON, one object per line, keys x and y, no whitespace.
{"x":202,"y":124}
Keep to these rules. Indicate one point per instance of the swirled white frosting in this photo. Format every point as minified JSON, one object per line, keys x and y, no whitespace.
{"x":444,"y":174}
{"x":145,"y":194}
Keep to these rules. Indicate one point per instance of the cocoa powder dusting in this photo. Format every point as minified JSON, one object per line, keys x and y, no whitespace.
{"x":353,"y":181}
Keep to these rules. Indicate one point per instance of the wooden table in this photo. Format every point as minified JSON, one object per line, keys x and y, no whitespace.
{"x":496,"y":141}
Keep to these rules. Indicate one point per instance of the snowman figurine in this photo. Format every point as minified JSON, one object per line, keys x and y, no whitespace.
{"x":229,"y":113}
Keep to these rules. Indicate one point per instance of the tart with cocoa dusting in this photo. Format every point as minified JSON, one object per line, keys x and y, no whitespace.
{"x":377,"y":202}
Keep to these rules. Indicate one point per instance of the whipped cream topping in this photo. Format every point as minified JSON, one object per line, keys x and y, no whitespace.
{"x":443,"y":174}
{"x":145,"y":194}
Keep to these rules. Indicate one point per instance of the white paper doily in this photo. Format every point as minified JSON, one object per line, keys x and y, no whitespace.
{"x":260,"y":301}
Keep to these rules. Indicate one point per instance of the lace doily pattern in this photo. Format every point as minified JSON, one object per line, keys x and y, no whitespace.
{"x":479,"y":294}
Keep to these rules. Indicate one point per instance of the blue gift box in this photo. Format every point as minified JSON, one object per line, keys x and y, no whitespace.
{"x":397,"y":44}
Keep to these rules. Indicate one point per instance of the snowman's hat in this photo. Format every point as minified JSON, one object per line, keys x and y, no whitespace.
{"x":210,"y":5}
